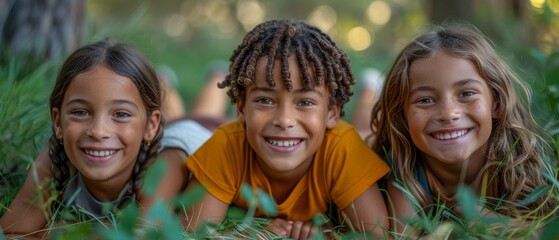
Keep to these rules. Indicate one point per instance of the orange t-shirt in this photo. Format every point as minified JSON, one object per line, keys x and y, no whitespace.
{"x":342,"y":169}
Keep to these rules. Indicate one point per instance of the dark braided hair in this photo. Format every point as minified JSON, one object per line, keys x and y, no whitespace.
{"x":280,"y":39}
{"x":127,"y":62}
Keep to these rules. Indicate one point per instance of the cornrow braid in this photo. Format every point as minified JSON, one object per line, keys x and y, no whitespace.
{"x":321,"y":61}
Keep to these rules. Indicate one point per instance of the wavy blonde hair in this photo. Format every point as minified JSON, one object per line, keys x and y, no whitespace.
{"x":517,"y":146}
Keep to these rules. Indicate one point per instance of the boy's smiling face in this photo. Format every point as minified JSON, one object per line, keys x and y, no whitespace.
{"x":285,"y":128}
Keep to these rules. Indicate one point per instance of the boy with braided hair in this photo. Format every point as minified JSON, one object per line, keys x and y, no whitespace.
{"x":290,"y":82}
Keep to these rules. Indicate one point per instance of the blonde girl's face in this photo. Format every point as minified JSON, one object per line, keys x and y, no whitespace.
{"x":102,"y":122}
{"x":285,"y":128}
{"x":449,"y":110}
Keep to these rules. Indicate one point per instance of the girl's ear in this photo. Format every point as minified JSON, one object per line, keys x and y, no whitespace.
{"x":153,"y":123}
{"x":241,"y":111}
{"x":333,"y":116}
{"x":496,"y":113}
{"x":56,"y":123}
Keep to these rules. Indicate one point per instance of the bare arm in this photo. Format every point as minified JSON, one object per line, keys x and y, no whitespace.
{"x":27,"y":214}
{"x":368,"y":212}
{"x":207,"y":209}
{"x":398,"y":208}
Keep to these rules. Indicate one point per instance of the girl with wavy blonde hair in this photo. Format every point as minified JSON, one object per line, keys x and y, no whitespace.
{"x":453,"y":113}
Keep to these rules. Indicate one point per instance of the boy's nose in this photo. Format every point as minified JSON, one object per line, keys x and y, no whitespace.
{"x":98,"y":129}
{"x":284,"y":118}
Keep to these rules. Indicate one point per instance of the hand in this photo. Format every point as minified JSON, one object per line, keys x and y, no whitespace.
{"x":292,"y":229}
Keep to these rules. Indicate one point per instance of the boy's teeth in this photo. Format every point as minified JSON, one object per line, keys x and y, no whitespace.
{"x":447,"y":136}
{"x":100,"y":153}
{"x":288,"y":143}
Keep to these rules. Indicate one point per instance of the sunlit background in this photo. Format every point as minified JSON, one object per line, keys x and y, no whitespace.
{"x":192,"y":36}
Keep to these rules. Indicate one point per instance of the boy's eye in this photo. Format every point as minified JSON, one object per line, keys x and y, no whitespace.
{"x":265,"y":101}
{"x":306,"y":103}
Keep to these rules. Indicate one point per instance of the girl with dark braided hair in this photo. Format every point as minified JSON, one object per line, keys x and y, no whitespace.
{"x":290,"y":82}
{"x":105,"y":109}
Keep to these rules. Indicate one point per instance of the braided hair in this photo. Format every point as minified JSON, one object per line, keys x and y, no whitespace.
{"x":280,"y":39}
{"x":127,"y":62}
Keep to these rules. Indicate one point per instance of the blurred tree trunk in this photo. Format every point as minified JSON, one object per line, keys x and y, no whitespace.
{"x":439,"y":11}
{"x":41,"y":29}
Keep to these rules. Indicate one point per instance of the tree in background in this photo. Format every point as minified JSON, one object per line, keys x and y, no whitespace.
{"x":40,"y":30}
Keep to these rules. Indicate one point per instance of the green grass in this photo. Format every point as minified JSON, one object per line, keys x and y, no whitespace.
{"x":24,"y":122}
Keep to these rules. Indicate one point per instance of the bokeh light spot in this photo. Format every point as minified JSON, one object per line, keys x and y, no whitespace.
{"x":379,"y":12}
{"x":359,"y":38}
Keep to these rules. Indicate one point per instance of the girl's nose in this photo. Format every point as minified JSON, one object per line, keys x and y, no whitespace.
{"x":284,"y":117}
{"x":448,"y":110}
{"x":99,"y":129}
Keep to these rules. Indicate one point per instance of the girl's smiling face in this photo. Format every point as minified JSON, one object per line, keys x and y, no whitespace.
{"x":449,"y":110}
{"x":102,"y":122}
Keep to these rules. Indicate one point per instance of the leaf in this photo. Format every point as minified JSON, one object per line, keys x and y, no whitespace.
{"x":267,"y":203}
{"x":551,"y":230}
{"x":153,"y":176}
{"x":247,"y":194}
{"x":467,"y":200}
{"x":76,"y":231}
{"x":117,"y":235}
{"x":319,"y":220}
{"x":129,"y":217}
{"x":534,"y":195}
{"x":190,"y":197}
{"x":235,"y":212}
{"x":158,"y":211}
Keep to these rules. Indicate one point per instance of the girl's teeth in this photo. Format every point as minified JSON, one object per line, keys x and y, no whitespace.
{"x":447,"y":136}
{"x":96,"y":153}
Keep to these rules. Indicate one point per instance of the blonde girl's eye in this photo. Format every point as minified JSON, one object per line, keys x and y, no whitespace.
{"x":467,"y":93}
{"x":424,"y":100}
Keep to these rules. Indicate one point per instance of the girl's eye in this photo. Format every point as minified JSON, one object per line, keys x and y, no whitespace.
{"x":122,"y":115}
{"x":467,"y":93}
{"x":79,"y":113}
{"x":424,"y":100}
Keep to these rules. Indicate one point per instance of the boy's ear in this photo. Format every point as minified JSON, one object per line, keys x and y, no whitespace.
{"x":333,"y":116}
{"x":152,"y":125}
{"x":240,"y":112}
{"x":56,"y":123}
